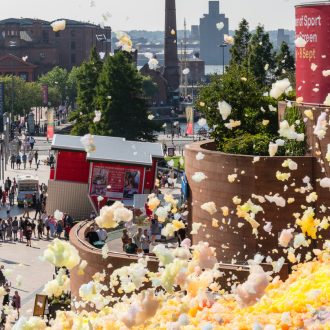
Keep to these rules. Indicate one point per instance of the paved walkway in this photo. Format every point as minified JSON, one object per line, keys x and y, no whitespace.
{"x":21,"y":260}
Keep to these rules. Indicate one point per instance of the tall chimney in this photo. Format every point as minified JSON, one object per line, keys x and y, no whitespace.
{"x":171,"y":70}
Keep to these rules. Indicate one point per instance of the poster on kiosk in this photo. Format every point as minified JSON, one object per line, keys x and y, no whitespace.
{"x":116,"y":182}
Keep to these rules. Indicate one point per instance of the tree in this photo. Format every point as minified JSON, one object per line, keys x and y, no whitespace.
{"x":72,"y":85}
{"x":261,"y":56}
{"x":122,"y":101}
{"x":285,"y":63}
{"x":57,"y":78}
{"x":20,"y":96}
{"x":239,"y":51}
{"x":249,"y":106}
{"x":86,"y":79}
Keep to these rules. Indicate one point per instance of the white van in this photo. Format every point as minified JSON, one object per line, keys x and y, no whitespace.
{"x":28,"y":185}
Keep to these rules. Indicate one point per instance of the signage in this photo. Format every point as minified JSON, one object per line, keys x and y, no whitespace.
{"x":2,"y":105}
{"x":116,"y":182}
{"x":190,"y":120}
{"x":44,"y":89}
{"x":50,"y":123}
{"x":312,"y":60}
{"x":40,"y":303}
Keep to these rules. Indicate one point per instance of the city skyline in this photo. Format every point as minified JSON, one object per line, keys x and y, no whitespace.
{"x":131,"y":14}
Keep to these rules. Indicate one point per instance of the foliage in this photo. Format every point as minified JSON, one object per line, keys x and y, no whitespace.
{"x":293,"y":147}
{"x":239,"y":51}
{"x":249,"y":106}
{"x":248,"y":144}
{"x":285,"y":63}
{"x":261,"y":54}
{"x":122,"y":101}
{"x":24,"y":95}
{"x":56,"y":78}
{"x":86,"y":79}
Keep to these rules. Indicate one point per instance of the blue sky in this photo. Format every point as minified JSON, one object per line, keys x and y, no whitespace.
{"x":148,"y":14}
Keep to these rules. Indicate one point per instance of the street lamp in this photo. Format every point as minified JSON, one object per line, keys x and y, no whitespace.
{"x":223,"y":46}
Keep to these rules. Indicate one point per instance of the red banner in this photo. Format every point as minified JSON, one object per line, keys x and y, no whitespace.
{"x":312,"y":25}
{"x":116,"y":182}
{"x":44,"y":89}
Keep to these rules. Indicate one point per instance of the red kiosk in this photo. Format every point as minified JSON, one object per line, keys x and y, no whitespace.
{"x":116,"y":170}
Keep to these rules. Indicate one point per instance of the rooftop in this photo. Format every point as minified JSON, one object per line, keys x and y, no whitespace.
{"x":112,"y":149}
{"x":31,"y":21}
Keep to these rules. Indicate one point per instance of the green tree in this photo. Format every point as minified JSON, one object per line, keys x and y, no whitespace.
{"x":20,"y":96}
{"x":58,"y":79}
{"x":122,"y":101}
{"x":285,"y":63}
{"x":249,"y":106}
{"x":261,"y":56}
{"x":86,"y":79}
{"x":239,"y":51}
{"x":72,"y":83}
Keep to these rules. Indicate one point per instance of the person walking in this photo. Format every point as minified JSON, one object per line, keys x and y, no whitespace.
{"x":7,"y":184}
{"x":16,"y":303}
{"x":3,"y":227}
{"x":30,"y":158}
{"x":24,"y":160}
{"x":8,"y":208}
{"x":32,"y":142}
{"x":26,"y":208}
{"x":36,"y":155}
{"x":9,"y":229}
{"x":2,"y":276}
{"x":15,"y":228}
{"x":59,"y":229}
{"x":12,"y":196}
{"x":28,"y":234}
{"x":38,"y":209}
{"x":18,"y":161}
{"x":12,"y":161}
{"x":4,"y":198}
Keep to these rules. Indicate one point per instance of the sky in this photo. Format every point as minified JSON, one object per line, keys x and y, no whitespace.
{"x":149,"y":14}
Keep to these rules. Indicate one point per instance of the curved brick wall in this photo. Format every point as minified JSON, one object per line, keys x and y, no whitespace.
{"x":259,"y":178}
{"x":95,"y":262}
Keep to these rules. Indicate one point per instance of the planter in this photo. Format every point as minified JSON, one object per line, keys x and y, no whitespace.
{"x":257,"y":178}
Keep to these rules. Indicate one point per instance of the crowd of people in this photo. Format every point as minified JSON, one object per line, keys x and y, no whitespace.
{"x":15,"y":300}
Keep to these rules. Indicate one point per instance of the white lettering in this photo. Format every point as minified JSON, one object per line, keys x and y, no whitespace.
{"x":308,"y":22}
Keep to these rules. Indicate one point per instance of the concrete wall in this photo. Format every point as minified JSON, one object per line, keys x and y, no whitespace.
{"x":259,"y":178}
{"x":95,"y":261}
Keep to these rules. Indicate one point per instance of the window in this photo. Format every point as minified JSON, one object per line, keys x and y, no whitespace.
{"x":73,"y":33}
{"x":73,"y":58}
{"x":73,"y":45}
{"x":57,"y":34}
{"x":42,"y":55}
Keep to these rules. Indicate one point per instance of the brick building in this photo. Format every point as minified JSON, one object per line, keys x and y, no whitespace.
{"x":35,"y":41}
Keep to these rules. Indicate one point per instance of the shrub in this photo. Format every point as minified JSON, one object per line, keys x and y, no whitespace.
{"x":248,"y":144}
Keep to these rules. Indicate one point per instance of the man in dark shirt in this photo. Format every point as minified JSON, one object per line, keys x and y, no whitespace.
{"x":92,"y":236}
{"x":130,"y":247}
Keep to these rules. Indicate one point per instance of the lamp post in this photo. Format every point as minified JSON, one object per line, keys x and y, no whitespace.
{"x":223,"y":46}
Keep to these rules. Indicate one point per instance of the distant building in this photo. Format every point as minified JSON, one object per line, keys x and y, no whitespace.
{"x":196,"y":68}
{"x":211,"y":37}
{"x":282,"y":37}
{"x":194,"y":32}
{"x":35,"y":41}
